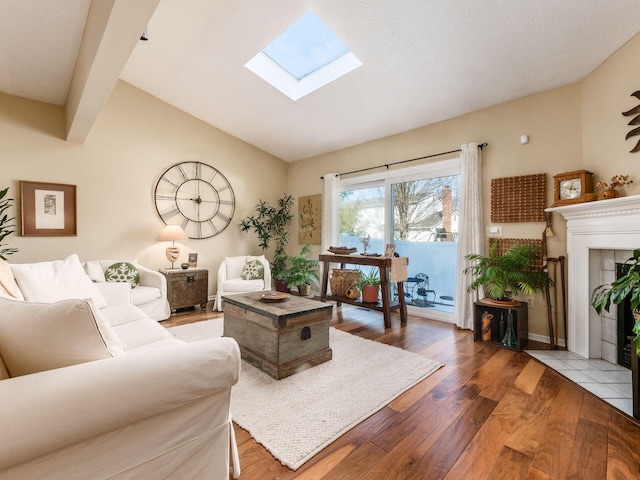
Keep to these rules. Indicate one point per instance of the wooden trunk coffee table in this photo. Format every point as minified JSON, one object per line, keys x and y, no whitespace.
{"x":279,"y":338}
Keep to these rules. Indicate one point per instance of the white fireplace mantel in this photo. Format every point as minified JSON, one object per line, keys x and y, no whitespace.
{"x":591,"y":227}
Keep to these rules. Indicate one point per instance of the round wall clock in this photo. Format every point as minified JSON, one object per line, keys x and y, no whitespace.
{"x":195,"y":196}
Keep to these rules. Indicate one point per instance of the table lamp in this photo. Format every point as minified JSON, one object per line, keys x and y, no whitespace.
{"x":172,"y":233}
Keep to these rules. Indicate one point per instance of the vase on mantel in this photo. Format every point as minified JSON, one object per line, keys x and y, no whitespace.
{"x":607,"y":194}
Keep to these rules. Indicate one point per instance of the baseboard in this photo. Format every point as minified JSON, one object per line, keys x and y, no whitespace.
{"x":545,"y":339}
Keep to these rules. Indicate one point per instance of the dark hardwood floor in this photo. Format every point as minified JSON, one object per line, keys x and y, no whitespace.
{"x":489,"y":413}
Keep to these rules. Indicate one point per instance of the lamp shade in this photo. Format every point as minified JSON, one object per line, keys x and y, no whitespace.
{"x":172,"y":233}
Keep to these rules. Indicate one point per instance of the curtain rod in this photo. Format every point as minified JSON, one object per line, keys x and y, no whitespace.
{"x":387,"y":165}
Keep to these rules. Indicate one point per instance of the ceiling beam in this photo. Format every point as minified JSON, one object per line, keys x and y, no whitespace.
{"x":111,"y":33}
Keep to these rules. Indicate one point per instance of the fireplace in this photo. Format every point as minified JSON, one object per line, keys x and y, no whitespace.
{"x":593,"y":230}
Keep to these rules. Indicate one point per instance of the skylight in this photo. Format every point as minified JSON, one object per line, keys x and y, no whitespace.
{"x":305,"y":57}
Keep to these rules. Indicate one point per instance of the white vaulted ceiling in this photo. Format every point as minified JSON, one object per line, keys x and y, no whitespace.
{"x":423,"y":60}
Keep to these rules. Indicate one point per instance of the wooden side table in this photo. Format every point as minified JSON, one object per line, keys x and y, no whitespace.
{"x":520,"y":323}
{"x":187,"y":288}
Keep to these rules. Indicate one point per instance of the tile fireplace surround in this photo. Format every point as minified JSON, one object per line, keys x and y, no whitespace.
{"x":594,"y":229}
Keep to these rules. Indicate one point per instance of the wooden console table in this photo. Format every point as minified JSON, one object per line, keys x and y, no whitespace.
{"x":384,"y":265}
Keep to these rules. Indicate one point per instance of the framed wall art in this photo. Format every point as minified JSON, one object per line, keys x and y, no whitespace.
{"x":47,"y":209}
{"x":310,"y":219}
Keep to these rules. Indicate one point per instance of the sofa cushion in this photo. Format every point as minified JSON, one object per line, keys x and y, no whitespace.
{"x":253,"y":270}
{"x":142,"y":295}
{"x":140,"y":332}
{"x":95,"y":271}
{"x":123,"y":272}
{"x":124,"y":313}
{"x":42,"y":336}
{"x":56,"y":280}
{"x":242,"y":286}
{"x":114,"y":293}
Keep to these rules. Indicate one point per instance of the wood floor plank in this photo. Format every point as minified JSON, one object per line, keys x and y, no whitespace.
{"x":526,"y":434}
{"x":440,"y":458}
{"x":482,"y":452}
{"x":530,"y":376}
{"x":324,"y":465}
{"x":623,"y":458}
{"x":505,"y":381}
{"x":511,"y":465}
{"x":557,"y":439}
{"x":360,"y":460}
{"x":401,"y":461}
{"x":589,"y":456}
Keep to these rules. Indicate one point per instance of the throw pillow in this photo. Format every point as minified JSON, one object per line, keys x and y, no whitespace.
{"x":235,"y":266}
{"x":123,"y":272}
{"x":42,"y":336}
{"x":56,"y":280}
{"x":253,"y":270}
{"x":8,"y":286}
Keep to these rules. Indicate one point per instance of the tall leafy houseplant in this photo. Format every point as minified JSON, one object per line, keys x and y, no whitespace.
{"x":503,"y":275}
{"x":6,"y":227}
{"x":628,"y":285}
{"x":270,"y":225}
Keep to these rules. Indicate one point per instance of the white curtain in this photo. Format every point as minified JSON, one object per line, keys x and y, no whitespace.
{"x":330,"y":214}
{"x":470,"y":230}
{"x":330,"y":211}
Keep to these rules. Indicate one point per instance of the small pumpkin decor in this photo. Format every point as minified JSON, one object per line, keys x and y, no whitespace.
{"x":353,"y":292}
{"x":369,"y":284}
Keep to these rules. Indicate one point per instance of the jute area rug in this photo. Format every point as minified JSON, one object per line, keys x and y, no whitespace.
{"x":296,"y":417}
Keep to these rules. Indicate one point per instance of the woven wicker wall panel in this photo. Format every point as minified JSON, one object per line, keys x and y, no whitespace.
{"x":505,"y":244}
{"x":518,"y":199}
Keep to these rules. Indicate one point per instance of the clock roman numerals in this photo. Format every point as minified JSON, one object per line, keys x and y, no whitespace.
{"x":196,"y":196}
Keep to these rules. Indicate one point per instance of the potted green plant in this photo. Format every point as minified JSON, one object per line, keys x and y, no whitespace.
{"x":301,"y":271}
{"x":369,"y":285}
{"x":6,"y":227}
{"x":270,"y":225}
{"x":503,"y":275}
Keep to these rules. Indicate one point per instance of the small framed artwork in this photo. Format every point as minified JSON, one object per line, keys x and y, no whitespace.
{"x":193,"y":260}
{"x":47,"y":209}
{"x":390,"y":250}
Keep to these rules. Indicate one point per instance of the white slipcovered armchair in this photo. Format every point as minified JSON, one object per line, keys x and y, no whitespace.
{"x":230,"y":277}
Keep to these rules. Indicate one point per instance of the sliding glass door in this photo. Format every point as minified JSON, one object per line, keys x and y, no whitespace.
{"x":417,"y":209}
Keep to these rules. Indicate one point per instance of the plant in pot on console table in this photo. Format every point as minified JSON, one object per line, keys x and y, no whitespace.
{"x":503,"y":275}
{"x":626,"y":286}
{"x":300,"y":271}
{"x":270,"y":225}
{"x":369,"y":285}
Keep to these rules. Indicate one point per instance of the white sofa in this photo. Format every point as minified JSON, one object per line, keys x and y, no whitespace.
{"x":108,"y":393}
{"x":230,"y":277}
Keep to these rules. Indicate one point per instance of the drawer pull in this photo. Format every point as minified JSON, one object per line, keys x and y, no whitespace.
{"x":191,"y":278}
